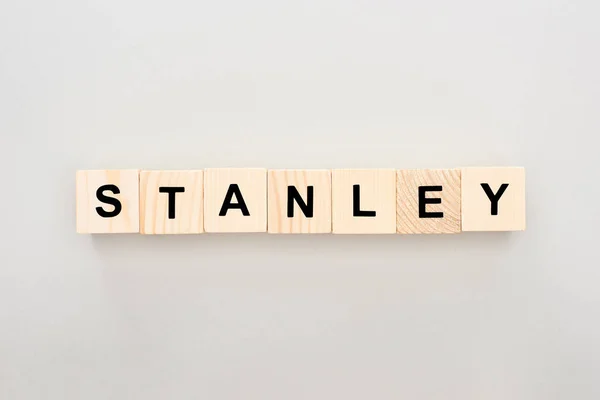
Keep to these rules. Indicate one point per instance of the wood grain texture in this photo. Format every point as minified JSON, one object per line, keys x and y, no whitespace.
{"x":252,"y":184}
{"x":278,"y":182}
{"x":377,"y":193}
{"x":154,"y":206}
{"x":407,"y":208}
{"x":477,"y":206}
{"x":89,"y":220}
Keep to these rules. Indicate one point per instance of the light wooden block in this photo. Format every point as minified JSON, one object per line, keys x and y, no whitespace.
{"x":374,"y":209}
{"x":155,"y":215}
{"x":245,"y":188}
{"x":107,"y":201}
{"x":279,"y":220}
{"x":440,"y":184}
{"x":478,"y":211}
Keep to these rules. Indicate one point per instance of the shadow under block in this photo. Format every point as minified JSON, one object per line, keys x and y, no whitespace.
{"x":493,"y":199}
{"x":171,"y":202}
{"x":428,"y":201}
{"x":235,"y":200}
{"x":299,"y":201}
{"x":107,"y":201}
{"x":364,"y":201}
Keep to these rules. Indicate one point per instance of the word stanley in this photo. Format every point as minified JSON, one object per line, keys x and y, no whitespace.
{"x":350,"y":201}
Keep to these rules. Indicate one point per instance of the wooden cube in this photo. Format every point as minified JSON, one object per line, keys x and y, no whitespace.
{"x":235,"y":200}
{"x":107,"y":201}
{"x":299,"y":201}
{"x":493,"y":199}
{"x":171,"y":202}
{"x":428,"y":201}
{"x":364,"y":201}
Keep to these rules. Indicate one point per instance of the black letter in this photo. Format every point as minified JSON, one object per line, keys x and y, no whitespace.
{"x":307,"y":208}
{"x":423,"y":201}
{"x":356,"y":204}
{"x":171,"y":201}
{"x":108,"y":200}
{"x":494,"y":198}
{"x":227,"y":204}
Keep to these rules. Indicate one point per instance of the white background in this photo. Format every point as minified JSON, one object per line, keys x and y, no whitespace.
{"x":310,"y":84}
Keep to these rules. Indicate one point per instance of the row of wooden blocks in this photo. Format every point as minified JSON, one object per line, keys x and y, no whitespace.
{"x":350,"y":201}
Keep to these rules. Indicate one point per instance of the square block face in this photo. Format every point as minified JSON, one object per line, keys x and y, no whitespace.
{"x":171,"y":202}
{"x":244,"y":190}
{"x":108,"y":201}
{"x":428,"y":201}
{"x":493,"y":199}
{"x":290,"y":191}
{"x":364,"y":201}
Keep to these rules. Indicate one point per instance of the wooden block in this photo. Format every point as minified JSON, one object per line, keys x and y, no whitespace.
{"x":493,"y":199}
{"x":364,"y":201}
{"x":428,"y":201}
{"x":235,"y":200}
{"x":107,"y":201}
{"x":171,"y":202}
{"x":299,"y":201}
